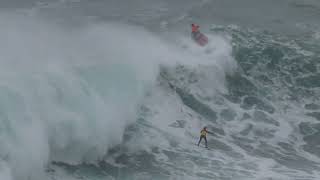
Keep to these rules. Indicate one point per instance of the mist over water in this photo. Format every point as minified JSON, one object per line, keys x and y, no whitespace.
{"x":67,"y":94}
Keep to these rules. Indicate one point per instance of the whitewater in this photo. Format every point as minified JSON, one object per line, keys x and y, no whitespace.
{"x":117,"y":90}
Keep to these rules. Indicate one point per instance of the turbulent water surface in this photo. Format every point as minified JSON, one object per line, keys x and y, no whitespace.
{"x":117,"y":90}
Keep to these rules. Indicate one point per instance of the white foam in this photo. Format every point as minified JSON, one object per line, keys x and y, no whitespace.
{"x":67,"y":94}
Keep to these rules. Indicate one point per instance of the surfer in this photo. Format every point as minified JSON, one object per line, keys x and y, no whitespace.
{"x":195,"y":32}
{"x":197,"y":36}
{"x":203,"y":135}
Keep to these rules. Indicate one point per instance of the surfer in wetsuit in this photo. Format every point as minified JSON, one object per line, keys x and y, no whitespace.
{"x":203,"y":135}
{"x":195,"y":32}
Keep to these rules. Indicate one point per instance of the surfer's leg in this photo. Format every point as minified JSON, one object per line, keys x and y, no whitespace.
{"x":197,"y":35}
{"x":200,"y":140}
{"x":193,"y":35}
{"x":205,"y":140}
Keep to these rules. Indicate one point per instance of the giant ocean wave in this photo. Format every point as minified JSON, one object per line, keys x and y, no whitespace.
{"x":114,"y":99}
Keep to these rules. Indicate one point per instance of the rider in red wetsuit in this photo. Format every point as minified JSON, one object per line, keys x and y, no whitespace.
{"x":195,"y":31}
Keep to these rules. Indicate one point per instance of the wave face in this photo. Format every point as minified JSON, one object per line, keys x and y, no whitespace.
{"x":97,"y":90}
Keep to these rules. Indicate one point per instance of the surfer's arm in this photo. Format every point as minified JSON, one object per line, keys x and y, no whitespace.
{"x":210,"y":132}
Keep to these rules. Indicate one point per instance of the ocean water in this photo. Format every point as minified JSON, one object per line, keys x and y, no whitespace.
{"x":117,"y":90}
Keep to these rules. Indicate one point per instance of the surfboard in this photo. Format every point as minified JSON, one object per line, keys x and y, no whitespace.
{"x":203,"y":146}
{"x":201,"y":39}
